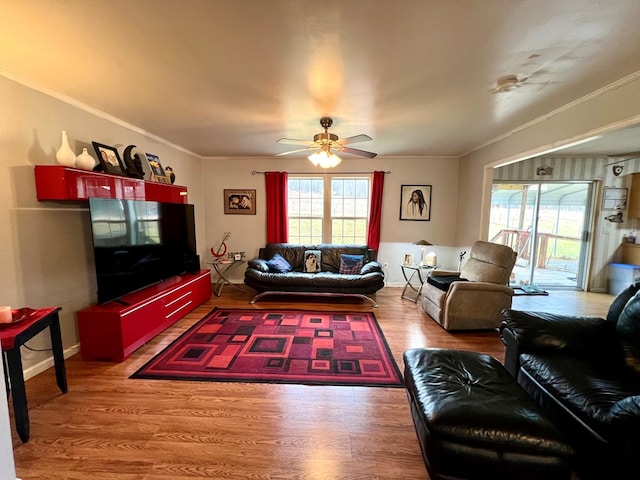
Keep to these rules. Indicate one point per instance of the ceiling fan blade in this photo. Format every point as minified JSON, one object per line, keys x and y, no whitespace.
{"x":292,"y":151}
{"x":355,"y":139}
{"x":360,"y":153}
{"x":291,"y":141}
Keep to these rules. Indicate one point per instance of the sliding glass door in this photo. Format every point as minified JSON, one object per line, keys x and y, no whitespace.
{"x":547,"y":224}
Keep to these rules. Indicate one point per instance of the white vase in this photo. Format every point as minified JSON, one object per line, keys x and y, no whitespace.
{"x":65,"y":155}
{"x":85,"y":161}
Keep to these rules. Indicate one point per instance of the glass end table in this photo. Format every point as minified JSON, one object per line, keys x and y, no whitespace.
{"x":413,"y":284}
{"x":223,"y":269}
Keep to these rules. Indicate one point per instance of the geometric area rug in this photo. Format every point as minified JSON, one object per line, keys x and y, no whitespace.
{"x":279,"y":346}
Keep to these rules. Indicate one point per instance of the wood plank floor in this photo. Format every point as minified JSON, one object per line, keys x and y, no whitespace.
{"x":110,"y":427}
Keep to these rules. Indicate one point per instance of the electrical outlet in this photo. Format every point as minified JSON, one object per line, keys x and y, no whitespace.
{"x":385,"y":265}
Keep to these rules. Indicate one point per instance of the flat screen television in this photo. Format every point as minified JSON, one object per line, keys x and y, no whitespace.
{"x":138,"y":243}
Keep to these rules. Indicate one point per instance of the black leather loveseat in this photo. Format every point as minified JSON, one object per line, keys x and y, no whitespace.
{"x":363,"y":278}
{"x":585,"y":373}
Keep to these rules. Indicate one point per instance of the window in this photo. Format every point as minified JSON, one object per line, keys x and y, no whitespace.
{"x":339,"y":217}
{"x":306,"y":210}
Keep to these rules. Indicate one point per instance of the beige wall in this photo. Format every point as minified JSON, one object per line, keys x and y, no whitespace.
{"x":46,"y":246}
{"x":608,"y":109}
{"x":248,"y":232}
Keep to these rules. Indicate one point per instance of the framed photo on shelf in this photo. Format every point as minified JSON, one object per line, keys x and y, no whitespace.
{"x":155,"y":167}
{"x":408,"y":259}
{"x":109,"y":159}
{"x":239,"y":202}
{"x":415,"y":202}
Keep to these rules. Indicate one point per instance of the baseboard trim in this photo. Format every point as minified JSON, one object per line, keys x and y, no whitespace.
{"x":46,"y":364}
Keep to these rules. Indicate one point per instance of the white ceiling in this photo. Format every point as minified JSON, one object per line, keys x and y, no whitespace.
{"x":229,"y":78}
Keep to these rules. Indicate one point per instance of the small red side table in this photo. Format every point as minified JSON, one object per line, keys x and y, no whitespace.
{"x":12,"y":337}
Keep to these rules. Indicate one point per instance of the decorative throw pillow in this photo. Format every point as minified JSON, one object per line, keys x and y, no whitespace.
{"x":351,"y":264}
{"x":312,"y":261}
{"x":279,"y":264}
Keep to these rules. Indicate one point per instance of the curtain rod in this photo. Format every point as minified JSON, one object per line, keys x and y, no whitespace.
{"x":256,"y":172}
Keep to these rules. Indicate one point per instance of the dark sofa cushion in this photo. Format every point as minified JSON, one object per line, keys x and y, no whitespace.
{"x":259,"y":265}
{"x":588,"y":337}
{"x":588,"y":389}
{"x":628,"y":328}
{"x":625,"y":414}
{"x":628,"y":325}
{"x":443,"y":282}
{"x":332,"y":255}
{"x":294,"y":254}
{"x":371,"y":267}
{"x":621,"y":300}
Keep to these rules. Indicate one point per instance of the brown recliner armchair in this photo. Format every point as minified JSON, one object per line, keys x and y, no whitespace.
{"x":474,"y":297}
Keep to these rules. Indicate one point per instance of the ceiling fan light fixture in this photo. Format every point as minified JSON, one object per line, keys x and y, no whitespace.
{"x":507,"y":83}
{"x":324,"y":159}
{"x":323,"y":143}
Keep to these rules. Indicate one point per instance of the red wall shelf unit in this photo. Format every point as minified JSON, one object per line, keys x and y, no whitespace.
{"x":113,"y":330}
{"x":57,"y":182}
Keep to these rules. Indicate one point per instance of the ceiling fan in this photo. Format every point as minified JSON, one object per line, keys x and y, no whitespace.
{"x":508,"y":83}
{"x":324,"y":142}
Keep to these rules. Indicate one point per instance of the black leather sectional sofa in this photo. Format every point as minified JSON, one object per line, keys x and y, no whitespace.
{"x":262,"y":276}
{"x":585,"y":373}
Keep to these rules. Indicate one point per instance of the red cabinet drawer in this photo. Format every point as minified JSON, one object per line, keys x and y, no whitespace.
{"x":114,"y":330}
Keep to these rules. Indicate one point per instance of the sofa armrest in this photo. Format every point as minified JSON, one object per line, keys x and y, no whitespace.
{"x":479,"y":287}
{"x":583,"y":335}
{"x":371,"y":267}
{"x":474,"y":305}
{"x":259,"y":264}
{"x":444,"y":273}
{"x":625,"y":414}
{"x":511,"y":353}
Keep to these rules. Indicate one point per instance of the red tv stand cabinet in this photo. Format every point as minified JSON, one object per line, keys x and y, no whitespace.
{"x":113,"y":330}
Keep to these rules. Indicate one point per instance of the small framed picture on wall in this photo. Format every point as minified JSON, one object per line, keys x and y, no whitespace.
{"x":239,"y":202}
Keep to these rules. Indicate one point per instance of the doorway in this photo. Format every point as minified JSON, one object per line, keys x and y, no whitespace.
{"x":547,"y":224}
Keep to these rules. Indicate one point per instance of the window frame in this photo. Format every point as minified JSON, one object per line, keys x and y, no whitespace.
{"x":327,"y":198}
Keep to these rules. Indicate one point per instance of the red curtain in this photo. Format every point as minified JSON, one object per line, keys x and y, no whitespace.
{"x":277,"y":221}
{"x":375,"y":215}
